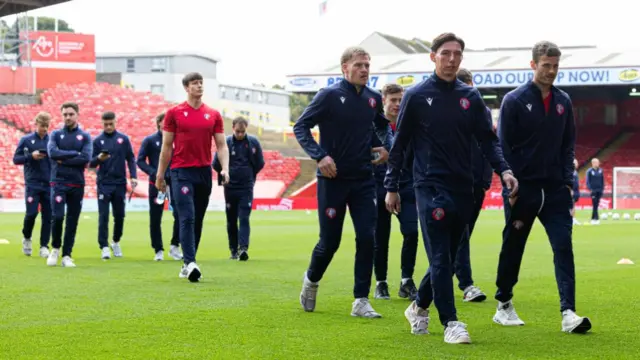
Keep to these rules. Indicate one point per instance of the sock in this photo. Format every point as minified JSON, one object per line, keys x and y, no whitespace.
{"x":380,"y":282}
{"x":306,"y":279}
{"x":404,"y":281}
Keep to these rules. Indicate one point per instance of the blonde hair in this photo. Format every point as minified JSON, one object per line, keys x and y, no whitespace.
{"x":43,"y":117}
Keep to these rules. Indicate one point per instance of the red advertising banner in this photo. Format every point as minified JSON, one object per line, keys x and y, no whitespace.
{"x":61,"y":47}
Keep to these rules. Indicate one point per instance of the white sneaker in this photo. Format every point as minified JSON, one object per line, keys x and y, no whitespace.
{"x":183,"y":272}
{"x":473,"y":294}
{"x":106,"y":253}
{"x":418,"y":319}
{"x":456,"y":333}
{"x":68,"y":262}
{"x":506,"y":315}
{"x":175,"y":253}
{"x":117,"y":250}
{"x":193,"y":272}
{"x":576,"y":222}
{"x":308,"y":294}
{"x":26,"y":246}
{"x":52,"y":260}
{"x":44,"y":252}
{"x":595,"y":222}
{"x":159,"y":256}
{"x":572,"y":323}
{"x":362,"y":308}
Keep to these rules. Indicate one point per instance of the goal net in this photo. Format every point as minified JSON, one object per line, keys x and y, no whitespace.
{"x":626,"y":188}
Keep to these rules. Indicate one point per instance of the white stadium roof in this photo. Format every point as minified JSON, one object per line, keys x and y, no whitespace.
{"x":585,"y":65}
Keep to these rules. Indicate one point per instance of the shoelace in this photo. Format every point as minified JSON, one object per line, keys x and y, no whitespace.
{"x":310,"y":290}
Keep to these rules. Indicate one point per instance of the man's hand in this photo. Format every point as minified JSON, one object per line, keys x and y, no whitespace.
{"x":511,"y":182}
{"x":103,"y":156}
{"x":37,"y":155}
{"x":328,"y":167}
{"x":59,"y":161}
{"x":225,"y":177}
{"x":134,"y":183}
{"x":570,"y":191}
{"x":392,"y":202}
{"x":161,"y":184}
{"x":572,"y":212}
{"x":383,"y":155}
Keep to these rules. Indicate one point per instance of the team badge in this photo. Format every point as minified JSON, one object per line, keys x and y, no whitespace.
{"x":120,"y":140}
{"x":330,"y":212}
{"x":101,"y":142}
{"x":185,"y":190}
{"x":58,"y":199}
{"x":438,"y":214}
{"x":157,"y":143}
{"x":79,"y":137}
{"x":33,"y":141}
{"x":207,"y":116}
{"x":464,"y":103}
{"x":372,"y":102}
{"x":560,"y":109}
{"x":30,"y":199}
{"x":186,"y":113}
{"x":253,"y":150}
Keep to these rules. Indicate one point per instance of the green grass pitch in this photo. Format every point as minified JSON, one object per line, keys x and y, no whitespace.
{"x":134,"y":308}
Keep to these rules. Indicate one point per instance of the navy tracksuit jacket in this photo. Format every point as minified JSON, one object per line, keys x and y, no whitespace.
{"x":37,"y":175}
{"x":539,"y":145}
{"x":482,"y":173}
{"x":148,"y":160}
{"x":441,"y":119}
{"x":112,"y":182}
{"x":346,"y":118}
{"x":595,"y":184}
{"x":245,"y":162}
{"x":408,"y":218}
{"x":70,"y":152}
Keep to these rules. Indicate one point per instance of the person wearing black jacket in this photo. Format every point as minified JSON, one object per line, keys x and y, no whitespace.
{"x":346,"y":114}
{"x":482,"y":173}
{"x":148,"y":159}
{"x":70,"y":151}
{"x":112,"y":154}
{"x":595,"y":184}
{"x":245,"y":162}
{"x":440,"y":117}
{"x":538,"y":134}
{"x":32,"y":154}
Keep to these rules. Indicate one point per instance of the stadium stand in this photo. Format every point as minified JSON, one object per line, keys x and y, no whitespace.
{"x":135,"y":112}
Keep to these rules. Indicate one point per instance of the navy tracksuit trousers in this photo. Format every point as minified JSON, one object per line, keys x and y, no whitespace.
{"x":38,"y":196}
{"x":551,"y":205}
{"x":113,"y":196}
{"x":595,"y":203}
{"x":334,"y":195}
{"x":191,"y":189}
{"x":463,"y":257}
{"x":444,"y":216}
{"x":155,"y":219}
{"x":71,"y":196}
{"x":408,"y":218}
{"x":238,"y":209}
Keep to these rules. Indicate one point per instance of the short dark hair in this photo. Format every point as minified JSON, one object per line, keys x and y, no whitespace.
{"x":445,"y":38}
{"x":159,"y":117}
{"x":350,"y":52}
{"x":240,"y":120}
{"x":545,"y":48}
{"x":465,"y":76}
{"x":70,"y":104}
{"x":389,"y":89}
{"x":108,"y":115}
{"x":192,"y":76}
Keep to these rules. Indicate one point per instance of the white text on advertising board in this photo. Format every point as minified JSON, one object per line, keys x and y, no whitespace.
{"x":372,"y":83}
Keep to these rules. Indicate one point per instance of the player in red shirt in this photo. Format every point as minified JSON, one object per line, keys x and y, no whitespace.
{"x":187,"y":132}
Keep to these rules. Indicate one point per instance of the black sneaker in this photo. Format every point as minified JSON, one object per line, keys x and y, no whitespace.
{"x":244,"y":256}
{"x":382,"y":291}
{"x":234,"y":255}
{"x":408,"y":290}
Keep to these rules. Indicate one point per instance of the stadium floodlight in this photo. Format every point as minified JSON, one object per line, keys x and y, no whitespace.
{"x":626,"y":188}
